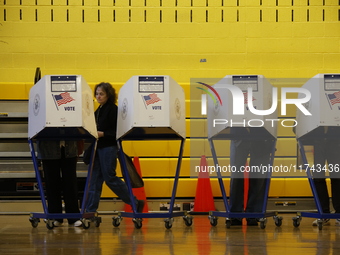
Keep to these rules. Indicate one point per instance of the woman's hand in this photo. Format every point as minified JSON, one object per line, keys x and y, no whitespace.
{"x":100,"y":134}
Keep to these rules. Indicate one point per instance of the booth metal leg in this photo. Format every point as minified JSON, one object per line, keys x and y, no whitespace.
{"x":319,"y":215}
{"x":38,"y":176}
{"x":213,"y":215}
{"x":138,"y":217}
{"x":269,"y":174}
{"x":187,"y":218}
{"x":93,"y":216}
{"x":50,"y":217}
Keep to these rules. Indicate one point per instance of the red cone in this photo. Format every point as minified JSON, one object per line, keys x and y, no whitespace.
{"x":204,"y":200}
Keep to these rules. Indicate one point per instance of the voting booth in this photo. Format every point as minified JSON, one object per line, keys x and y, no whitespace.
{"x":324,"y":107}
{"x":60,"y":108}
{"x":320,"y":128}
{"x":223,"y":123}
{"x":151,"y":108}
{"x":237,"y":115}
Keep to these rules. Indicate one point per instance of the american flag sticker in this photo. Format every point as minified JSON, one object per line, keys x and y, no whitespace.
{"x":334,"y":98}
{"x":62,"y":98}
{"x":245,"y":95}
{"x":151,"y":99}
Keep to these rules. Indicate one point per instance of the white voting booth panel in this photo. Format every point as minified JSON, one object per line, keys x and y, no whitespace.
{"x":61,"y":106}
{"x":324,"y":105}
{"x":150,"y":107}
{"x":221,"y":120}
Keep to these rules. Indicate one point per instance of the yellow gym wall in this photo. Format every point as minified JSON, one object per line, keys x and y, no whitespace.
{"x":112,"y":40}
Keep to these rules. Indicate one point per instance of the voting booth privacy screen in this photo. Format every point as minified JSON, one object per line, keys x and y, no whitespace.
{"x":61,"y":106}
{"x":212,"y":118}
{"x":222,"y":122}
{"x":151,"y":107}
{"x":324,"y":107}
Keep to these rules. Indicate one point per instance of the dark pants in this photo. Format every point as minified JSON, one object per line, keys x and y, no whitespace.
{"x":259,"y":152}
{"x":61,"y":183}
{"x":326,"y":150}
{"x":104,"y":169}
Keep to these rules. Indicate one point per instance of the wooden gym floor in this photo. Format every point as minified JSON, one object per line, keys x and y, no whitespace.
{"x":17,"y":236}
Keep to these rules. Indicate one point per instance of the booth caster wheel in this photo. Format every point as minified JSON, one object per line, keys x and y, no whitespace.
{"x":34,"y":222}
{"x":116,"y":221}
{"x":49,"y":224}
{"x":96,"y":220}
{"x":213,"y":220}
{"x":278,"y":221}
{"x":168,"y":222}
{"x":319,"y":222}
{"x":263,"y":223}
{"x":228,"y":222}
{"x":296,"y":221}
{"x":86,"y":223}
{"x":137,"y":222}
{"x":187,"y":220}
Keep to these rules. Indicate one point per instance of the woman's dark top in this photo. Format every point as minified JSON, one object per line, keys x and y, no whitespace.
{"x":106,"y":119}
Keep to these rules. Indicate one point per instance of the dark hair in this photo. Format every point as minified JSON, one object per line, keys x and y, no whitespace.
{"x":108,"y":89}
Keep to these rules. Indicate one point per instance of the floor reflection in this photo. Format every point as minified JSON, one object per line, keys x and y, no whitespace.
{"x":18,"y":237}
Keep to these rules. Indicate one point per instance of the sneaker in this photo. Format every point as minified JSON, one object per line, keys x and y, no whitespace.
{"x":324,"y":222}
{"x":140,"y":206}
{"x":252,"y":222}
{"x":337,"y":222}
{"x":58,"y":223}
{"x":78,"y":223}
{"x":236,"y":222}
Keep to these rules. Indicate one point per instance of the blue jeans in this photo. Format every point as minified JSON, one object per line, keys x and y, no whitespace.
{"x":104,"y":169}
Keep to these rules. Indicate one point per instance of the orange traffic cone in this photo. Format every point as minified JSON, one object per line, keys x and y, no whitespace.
{"x":204,"y":200}
{"x":245,"y":188}
{"x":138,"y":192}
